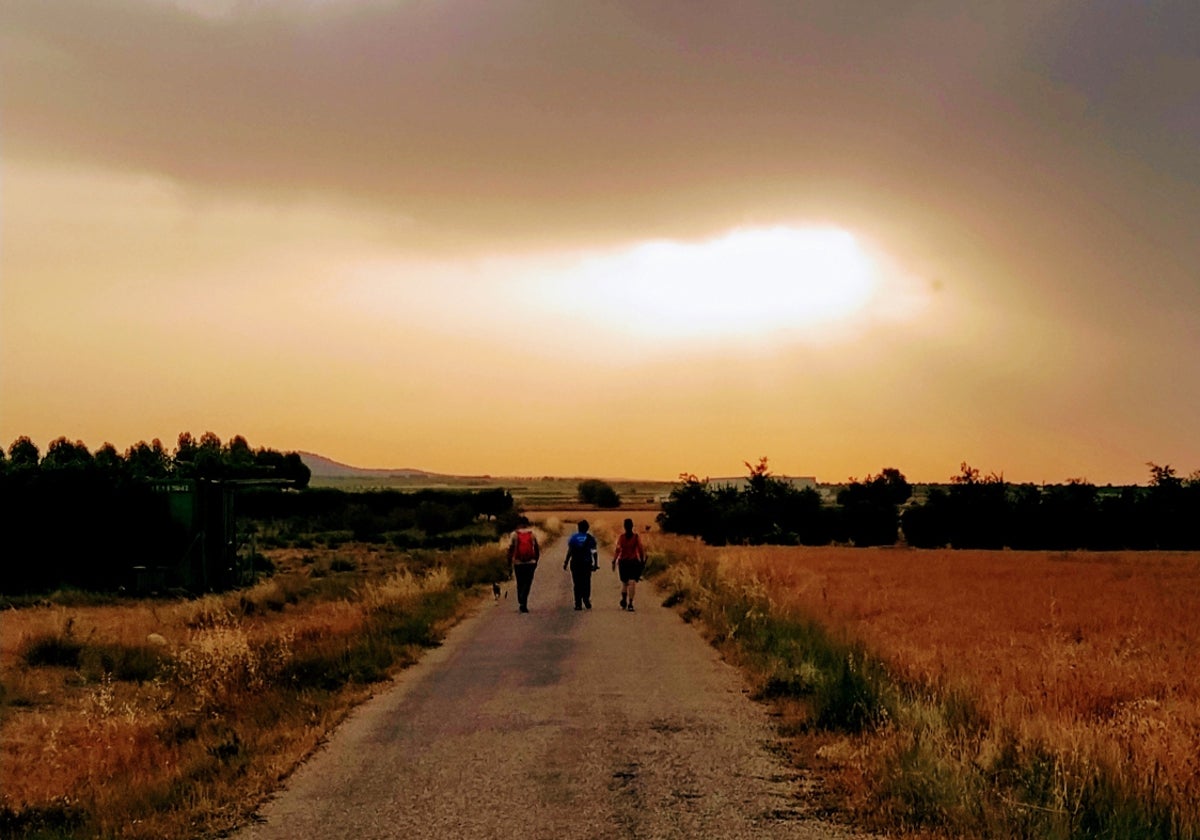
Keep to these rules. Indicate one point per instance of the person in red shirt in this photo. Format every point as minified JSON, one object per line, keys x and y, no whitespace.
{"x":629,"y":561}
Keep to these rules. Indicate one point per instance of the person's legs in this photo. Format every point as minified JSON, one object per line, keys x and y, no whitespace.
{"x":524,"y":575}
{"x":580,"y":581}
{"x":585,"y":587}
{"x":630,"y":574}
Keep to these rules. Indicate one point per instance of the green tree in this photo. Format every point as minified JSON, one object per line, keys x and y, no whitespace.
{"x":870,"y":508}
{"x":62,"y":454}
{"x":239,"y":457}
{"x":769,"y":510}
{"x":23,"y":453}
{"x":1169,"y":514}
{"x":295,"y":470}
{"x":185,"y":453}
{"x":690,"y":507}
{"x":773,"y":510}
{"x":204,"y":458}
{"x":979,"y":509}
{"x":593,"y":491}
{"x":210,"y":456}
{"x":1164,"y":480}
{"x":109,"y":462}
{"x":149,"y":460}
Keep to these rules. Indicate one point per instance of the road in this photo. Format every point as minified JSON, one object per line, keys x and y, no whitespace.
{"x":552,"y":724}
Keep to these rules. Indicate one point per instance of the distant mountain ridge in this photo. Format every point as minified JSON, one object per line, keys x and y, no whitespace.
{"x":328,"y":468}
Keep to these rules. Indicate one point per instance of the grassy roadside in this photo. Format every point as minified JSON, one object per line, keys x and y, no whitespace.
{"x":912,"y":756}
{"x":174,"y":719}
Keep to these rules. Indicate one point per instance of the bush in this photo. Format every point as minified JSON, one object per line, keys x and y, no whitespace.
{"x":769,"y":510}
{"x":593,"y":491}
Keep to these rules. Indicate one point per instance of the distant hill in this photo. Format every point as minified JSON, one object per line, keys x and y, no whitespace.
{"x":323,"y":467}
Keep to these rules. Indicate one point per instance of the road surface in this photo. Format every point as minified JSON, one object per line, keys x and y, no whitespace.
{"x":554,"y":724}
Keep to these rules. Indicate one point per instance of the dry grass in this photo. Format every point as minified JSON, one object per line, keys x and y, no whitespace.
{"x":1084,"y":661}
{"x":244,"y":685}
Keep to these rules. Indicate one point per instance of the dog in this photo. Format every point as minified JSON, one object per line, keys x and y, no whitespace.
{"x":496,"y":592}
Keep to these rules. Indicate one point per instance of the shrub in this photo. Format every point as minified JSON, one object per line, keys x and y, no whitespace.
{"x":768,"y":510}
{"x":593,"y":491}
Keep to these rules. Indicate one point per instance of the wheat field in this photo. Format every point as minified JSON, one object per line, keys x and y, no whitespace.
{"x":1086,"y":658}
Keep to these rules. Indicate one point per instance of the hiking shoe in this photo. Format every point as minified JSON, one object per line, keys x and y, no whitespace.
{"x":524,"y":608}
{"x":587,"y":604}
{"x":622,"y":602}
{"x":630,"y":607}
{"x":578,"y":607}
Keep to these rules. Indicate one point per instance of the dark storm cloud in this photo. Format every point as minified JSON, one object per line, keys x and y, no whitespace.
{"x":597,"y":119}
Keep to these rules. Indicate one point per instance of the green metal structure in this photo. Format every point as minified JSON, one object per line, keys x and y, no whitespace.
{"x":201,"y":552}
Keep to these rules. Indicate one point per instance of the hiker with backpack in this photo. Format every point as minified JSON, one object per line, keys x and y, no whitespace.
{"x":629,"y":562}
{"x":581,"y":557}
{"x":523,"y":555}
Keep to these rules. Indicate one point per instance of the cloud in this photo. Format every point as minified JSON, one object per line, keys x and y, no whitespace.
{"x":406,"y":171}
{"x":530,"y":121}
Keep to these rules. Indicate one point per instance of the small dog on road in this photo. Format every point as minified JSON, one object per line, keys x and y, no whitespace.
{"x":496,"y":592}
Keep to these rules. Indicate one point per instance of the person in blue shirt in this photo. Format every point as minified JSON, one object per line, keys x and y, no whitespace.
{"x":582,"y":558}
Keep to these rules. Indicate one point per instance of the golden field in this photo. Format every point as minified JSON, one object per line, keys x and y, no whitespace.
{"x":1086,"y":661}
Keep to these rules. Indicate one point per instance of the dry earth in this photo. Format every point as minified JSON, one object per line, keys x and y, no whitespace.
{"x":555,"y":724}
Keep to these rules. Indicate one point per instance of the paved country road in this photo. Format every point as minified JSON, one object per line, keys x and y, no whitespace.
{"x":552,"y":724}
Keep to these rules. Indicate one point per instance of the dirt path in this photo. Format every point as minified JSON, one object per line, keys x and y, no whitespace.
{"x":556,"y":724}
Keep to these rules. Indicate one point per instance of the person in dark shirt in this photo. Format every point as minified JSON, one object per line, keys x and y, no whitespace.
{"x":581,"y":557}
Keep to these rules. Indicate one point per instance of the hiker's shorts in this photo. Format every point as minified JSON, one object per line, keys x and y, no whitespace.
{"x":629,"y":570}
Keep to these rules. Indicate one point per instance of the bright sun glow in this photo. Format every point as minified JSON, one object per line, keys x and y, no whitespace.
{"x":753,"y":289}
{"x":748,"y":282}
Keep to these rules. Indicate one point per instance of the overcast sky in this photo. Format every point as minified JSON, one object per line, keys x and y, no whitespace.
{"x":616,"y":239}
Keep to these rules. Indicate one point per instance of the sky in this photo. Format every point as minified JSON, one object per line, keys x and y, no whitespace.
{"x":632,"y":238}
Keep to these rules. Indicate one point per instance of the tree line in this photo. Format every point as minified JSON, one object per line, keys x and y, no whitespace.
{"x":82,"y":519}
{"x":73,"y":517}
{"x":205,"y":458}
{"x":419,"y":519}
{"x":972,"y":511}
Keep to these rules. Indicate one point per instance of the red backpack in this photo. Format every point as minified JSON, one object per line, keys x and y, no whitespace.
{"x":526,"y":547}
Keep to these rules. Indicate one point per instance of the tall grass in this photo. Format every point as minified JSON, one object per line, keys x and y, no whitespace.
{"x":104,"y":733}
{"x":959,"y":708}
{"x":843,"y":686}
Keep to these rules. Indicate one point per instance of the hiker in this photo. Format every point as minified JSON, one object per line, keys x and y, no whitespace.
{"x":581,"y":557}
{"x":523,"y":555}
{"x":629,"y":562}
